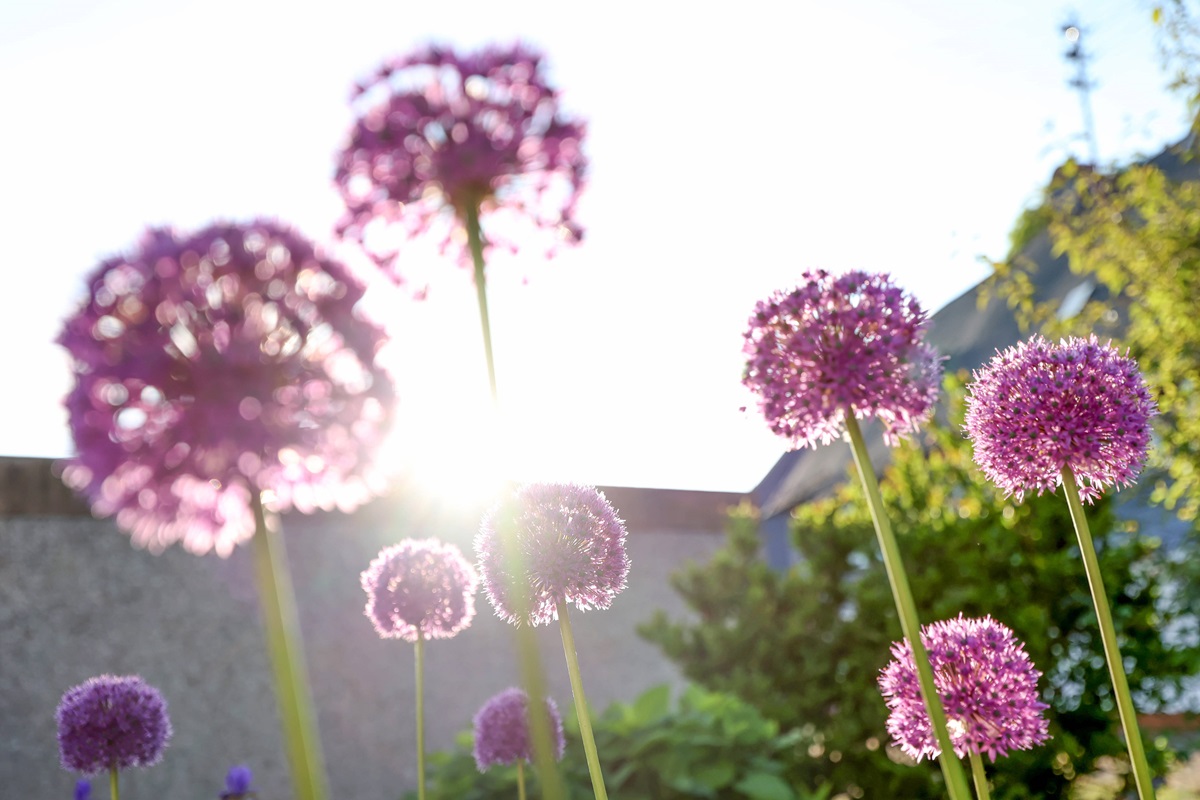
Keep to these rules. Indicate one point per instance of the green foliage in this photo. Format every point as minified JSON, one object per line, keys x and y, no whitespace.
{"x":1029,"y":224}
{"x":711,"y":746}
{"x":806,"y":646}
{"x":1137,"y":235}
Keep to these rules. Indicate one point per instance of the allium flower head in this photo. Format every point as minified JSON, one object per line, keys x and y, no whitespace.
{"x":237,"y":783}
{"x":837,"y":343}
{"x":213,"y":365}
{"x":502,"y":730}
{"x":439,"y":133}
{"x":987,"y":684}
{"x":420,"y":587}
{"x":1038,"y":407}
{"x":110,"y":722}
{"x":551,"y":543}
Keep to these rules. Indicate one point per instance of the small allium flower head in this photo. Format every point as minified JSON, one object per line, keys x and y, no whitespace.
{"x":1038,"y":407}
{"x":83,"y":789}
{"x":420,"y":586}
{"x":987,"y":684}
{"x":237,"y":783}
{"x":440,"y":132}
{"x":110,"y":722}
{"x":208,"y":366}
{"x":502,"y":730}
{"x":551,"y":543}
{"x":835,"y":343}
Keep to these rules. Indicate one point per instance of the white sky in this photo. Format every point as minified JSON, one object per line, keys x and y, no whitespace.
{"x":730,"y":150}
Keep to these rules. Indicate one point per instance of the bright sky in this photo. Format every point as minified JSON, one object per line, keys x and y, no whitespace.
{"x":730,"y":150}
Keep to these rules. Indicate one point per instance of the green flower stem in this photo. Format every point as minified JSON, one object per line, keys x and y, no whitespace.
{"x":981,"y":785}
{"x":581,"y":708}
{"x":956,"y":780}
{"x":1108,"y":635}
{"x":521,"y":777}
{"x":527,"y":652}
{"x":112,"y":785}
{"x":282,"y":627}
{"x":475,"y":240}
{"x":420,"y":671}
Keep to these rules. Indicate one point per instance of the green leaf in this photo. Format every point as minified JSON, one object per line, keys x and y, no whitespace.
{"x":654,"y":704}
{"x":764,"y":786}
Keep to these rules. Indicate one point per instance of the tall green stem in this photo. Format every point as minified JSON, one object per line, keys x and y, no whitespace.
{"x":475,"y":241}
{"x":581,"y":707}
{"x":1108,"y":635}
{"x":112,"y":785}
{"x":420,"y":671}
{"x":284,"y":645}
{"x":521,"y":778}
{"x":527,"y":653}
{"x":981,"y":784}
{"x":956,"y":781}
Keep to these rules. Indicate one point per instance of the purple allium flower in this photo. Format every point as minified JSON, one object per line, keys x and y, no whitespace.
{"x":569,"y":548}
{"x":502,"y":730}
{"x":1038,"y":407}
{"x":83,"y":789}
{"x":213,"y":365}
{"x":237,"y":783}
{"x":837,"y":343}
{"x":420,"y":586}
{"x":439,"y":133}
{"x":987,"y":684}
{"x":110,"y":722}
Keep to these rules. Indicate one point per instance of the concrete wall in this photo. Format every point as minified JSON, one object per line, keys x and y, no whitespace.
{"x":77,"y":600}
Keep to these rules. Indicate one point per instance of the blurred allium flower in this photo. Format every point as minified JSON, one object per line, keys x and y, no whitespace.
{"x":237,"y":784}
{"x":570,"y":548}
{"x":216,"y":364}
{"x":420,"y":585}
{"x":854,"y":341}
{"x":1038,"y":407}
{"x":987,"y":684}
{"x":502,"y":730}
{"x":83,"y":790}
{"x":439,"y":133}
{"x":110,"y":722}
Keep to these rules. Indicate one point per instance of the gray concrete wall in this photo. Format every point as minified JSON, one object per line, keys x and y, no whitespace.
{"x":77,"y":600}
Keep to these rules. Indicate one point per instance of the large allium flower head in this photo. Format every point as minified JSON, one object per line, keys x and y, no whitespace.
{"x":438,"y":132}
{"x":835,"y":343}
{"x":110,"y":722}
{"x":420,"y":587}
{"x":987,"y":684}
{"x":502,"y":730}
{"x":211,"y":365}
{"x":551,"y":543}
{"x":1038,"y":407}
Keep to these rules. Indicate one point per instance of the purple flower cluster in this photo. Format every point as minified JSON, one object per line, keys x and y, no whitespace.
{"x":551,"y":543}
{"x":853,"y":343}
{"x":110,"y":722}
{"x":1038,"y":407}
{"x":420,"y":588}
{"x":987,"y":684}
{"x":218,"y":364}
{"x":502,"y":730}
{"x":237,"y":783}
{"x":439,"y":133}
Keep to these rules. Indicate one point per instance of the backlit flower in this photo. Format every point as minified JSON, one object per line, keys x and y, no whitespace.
{"x":110,"y":722}
{"x":987,"y":684}
{"x":502,"y":730}
{"x":213,"y":365}
{"x":838,"y":344}
{"x":420,"y":586}
{"x":551,"y":543}
{"x":439,"y":133}
{"x":1038,"y":407}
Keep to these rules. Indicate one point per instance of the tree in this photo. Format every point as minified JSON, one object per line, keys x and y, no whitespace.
{"x":806,"y":646}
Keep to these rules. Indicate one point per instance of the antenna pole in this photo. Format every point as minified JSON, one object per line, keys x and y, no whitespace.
{"x":1076,"y":54}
